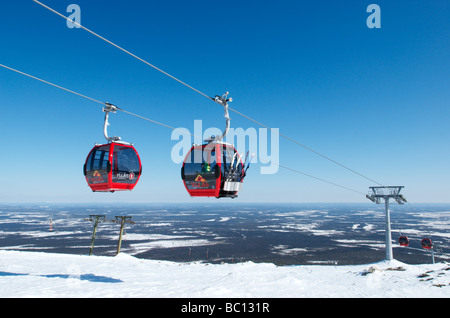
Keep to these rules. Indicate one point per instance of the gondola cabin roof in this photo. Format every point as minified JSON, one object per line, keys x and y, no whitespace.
{"x":111,"y":167}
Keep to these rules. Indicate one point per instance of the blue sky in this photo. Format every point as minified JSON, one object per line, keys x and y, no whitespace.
{"x":376,"y":100}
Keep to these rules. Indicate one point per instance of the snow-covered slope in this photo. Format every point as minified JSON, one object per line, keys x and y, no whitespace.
{"x":26,"y":274}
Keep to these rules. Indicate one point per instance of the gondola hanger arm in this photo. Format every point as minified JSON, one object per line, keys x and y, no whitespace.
{"x":223,"y":100}
{"x":107,"y":109}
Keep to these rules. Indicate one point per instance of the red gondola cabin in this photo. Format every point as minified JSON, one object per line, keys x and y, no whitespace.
{"x":112,"y":167}
{"x":213,"y":170}
{"x":426,"y":244}
{"x":403,"y":241}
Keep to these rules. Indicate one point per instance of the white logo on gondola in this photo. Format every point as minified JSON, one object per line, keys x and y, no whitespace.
{"x":124,"y":176}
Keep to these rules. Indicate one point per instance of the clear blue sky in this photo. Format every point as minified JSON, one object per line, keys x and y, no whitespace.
{"x":376,"y":100}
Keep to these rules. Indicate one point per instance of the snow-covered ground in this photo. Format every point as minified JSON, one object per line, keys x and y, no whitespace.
{"x":30,"y":274}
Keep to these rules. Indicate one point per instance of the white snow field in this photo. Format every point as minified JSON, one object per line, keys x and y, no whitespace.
{"x":45,"y":275}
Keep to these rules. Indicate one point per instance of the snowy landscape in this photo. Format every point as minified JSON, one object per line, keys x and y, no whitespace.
{"x":33,"y":274}
{"x":322,"y":127}
{"x":250,"y":251}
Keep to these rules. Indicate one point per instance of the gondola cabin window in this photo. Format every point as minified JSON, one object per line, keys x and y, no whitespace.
{"x":125,"y":165}
{"x":200,"y":168}
{"x":97,"y":165}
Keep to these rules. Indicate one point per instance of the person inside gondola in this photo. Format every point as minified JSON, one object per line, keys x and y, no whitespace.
{"x":206,"y":167}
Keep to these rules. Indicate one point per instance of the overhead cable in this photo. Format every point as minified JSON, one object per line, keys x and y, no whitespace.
{"x":97,"y":101}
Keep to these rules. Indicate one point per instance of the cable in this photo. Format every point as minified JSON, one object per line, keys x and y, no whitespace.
{"x":60,"y":87}
{"x":97,"y":101}
{"x":156,"y":122}
{"x":161,"y":124}
{"x":122,"y":49}
{"x":306,"y":147}
{"x":203,"y":94}
{"x":320,"y":179}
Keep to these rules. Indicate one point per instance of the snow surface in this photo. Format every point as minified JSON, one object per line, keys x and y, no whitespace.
{"x":33,"y":274}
